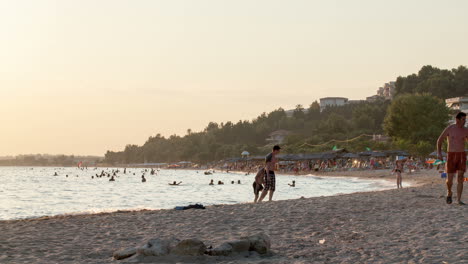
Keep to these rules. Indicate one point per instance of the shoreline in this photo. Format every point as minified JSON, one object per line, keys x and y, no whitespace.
{"x":132,"y":210}
{"x":383,"y":175}
{"x":406,"y":225}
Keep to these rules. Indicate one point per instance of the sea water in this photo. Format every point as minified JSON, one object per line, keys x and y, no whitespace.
{"x":29,"y":192}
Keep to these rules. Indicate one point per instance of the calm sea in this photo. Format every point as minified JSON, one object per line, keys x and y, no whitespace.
{"x":27,"y":192}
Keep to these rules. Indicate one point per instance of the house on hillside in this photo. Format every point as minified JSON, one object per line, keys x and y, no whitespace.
{"x":373,"y":98}
{"x":332,"y":101}
{"x":387,"y":91}
{"x":457,"y":104}
{"x":278,"y":136}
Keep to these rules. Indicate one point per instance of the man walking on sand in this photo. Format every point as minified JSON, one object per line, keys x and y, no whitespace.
{"x":270,"y":181}
{"x":456,"y":157}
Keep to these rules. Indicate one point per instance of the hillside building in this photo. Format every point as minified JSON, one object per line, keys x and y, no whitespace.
{"x":332,"y":101}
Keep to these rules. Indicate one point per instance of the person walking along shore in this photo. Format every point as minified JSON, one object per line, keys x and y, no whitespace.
{"x":456,"y":157}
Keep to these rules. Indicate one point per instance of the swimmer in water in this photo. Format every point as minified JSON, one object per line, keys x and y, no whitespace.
{"x":143,"y":178}
{"x":112,"y":179}
{"x":293,"y":184}
{"x":220,"y":183}
{"x":175,"y":183}
{"x":211,"y":183}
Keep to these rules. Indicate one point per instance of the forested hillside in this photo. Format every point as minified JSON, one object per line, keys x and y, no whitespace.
{"x":418,"y":103}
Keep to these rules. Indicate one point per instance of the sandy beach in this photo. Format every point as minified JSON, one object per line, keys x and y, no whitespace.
{"x":410,"y":225}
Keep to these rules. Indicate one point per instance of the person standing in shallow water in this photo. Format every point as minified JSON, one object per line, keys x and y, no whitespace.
{"x":399,"y":164}
{"x":456,"y":157}
{"x":270,"y":180}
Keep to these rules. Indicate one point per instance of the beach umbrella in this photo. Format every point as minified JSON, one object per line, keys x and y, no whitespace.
{"x":328,"y":155}
{"x":350,"y":156}
{"x":312,"y":156}
{"x":289,"y":157}
{"x":434,"y":154}
{"x":377,"y":154}
{"x":396,"y":153}
{"x":286,"y":162}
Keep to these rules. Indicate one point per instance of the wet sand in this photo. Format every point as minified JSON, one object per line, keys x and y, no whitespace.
{"x":410,"y":225}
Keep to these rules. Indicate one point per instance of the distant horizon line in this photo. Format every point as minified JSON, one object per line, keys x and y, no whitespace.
{"x":50,"y":155}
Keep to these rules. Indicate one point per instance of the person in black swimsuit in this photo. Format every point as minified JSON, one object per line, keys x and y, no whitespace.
{"x":257,"y":188}
{"x":398,"y":170}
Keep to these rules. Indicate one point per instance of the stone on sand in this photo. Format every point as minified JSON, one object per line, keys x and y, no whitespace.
{"x":231,"y":247}
{"x":189,"y":247}
{"x":241,"y":245}
{"x":224,"y":249}
{"x":124,"y":253}
{"x":158,"y":247}
{"x":259,"y":242}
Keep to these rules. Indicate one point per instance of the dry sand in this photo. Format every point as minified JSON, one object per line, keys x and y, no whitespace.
{"x":410,"y":225}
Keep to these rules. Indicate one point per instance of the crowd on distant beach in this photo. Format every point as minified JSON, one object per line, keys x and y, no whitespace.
{"x":311,"y":166}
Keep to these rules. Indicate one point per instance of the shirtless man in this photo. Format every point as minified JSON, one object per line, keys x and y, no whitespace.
{"x":270,"y":181}
{"x":456,"y":157}
{"x":398,"y":170}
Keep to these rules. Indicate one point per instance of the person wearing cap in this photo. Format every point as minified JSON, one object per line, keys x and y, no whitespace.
{"x":270,"y":180}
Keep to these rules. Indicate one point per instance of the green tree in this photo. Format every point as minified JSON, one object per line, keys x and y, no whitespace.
{"x":335,"y":125}
{"x":460,"y":81}
{"x":298,"y":113}
{"x":438,"y":82}
{"x":415,"y":118}
{"x":313,"y":113}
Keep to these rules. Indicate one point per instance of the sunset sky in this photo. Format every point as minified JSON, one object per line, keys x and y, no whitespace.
{"x":84,"y":77}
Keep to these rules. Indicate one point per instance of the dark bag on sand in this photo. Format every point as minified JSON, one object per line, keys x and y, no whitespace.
{"x":191,"y":206}
{"x":259,"y":178}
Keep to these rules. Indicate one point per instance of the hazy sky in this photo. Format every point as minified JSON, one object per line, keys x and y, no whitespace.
{"x":83,"y":77}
